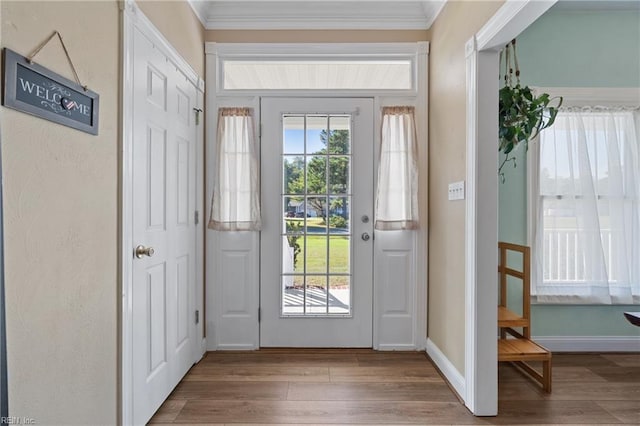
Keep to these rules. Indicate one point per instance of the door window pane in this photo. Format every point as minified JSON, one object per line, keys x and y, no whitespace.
{"x":316,"y":208}
{"x":293,"y":172}
{"x":339,"y":294}
{"x":293,"y":134}
{"x":338,"y":175}
{"x":316,"y":294}
{"x":317,"y":174}
{"x":339,"y":215}
{"x":339,"y":255}
{"x":316,"y":254}
{"x":340,"y":134}
{"x":293,"y":290}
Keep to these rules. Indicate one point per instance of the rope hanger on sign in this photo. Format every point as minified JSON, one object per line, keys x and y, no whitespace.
{"x":66,"y":52}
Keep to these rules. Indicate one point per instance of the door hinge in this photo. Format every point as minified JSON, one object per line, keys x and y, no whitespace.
{"x":260,"y":131}
{"x":197,"y":317}
{"x":197,"y":112}
{"x":259,"y":314}
{"x":196,"y":217}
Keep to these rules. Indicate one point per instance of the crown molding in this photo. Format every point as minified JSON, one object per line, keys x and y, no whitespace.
{"x":199,"y":7}
{"x":317,"y":15}
{"x":317,"y":50}
{"x":432,"y":10}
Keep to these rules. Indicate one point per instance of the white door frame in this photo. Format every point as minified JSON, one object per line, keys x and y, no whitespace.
{"x":481,"y":242}
{"x":418,"y":96}
{"x":131,"y":19}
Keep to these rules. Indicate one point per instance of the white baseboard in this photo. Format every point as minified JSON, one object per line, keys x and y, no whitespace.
{"x":398,"y":347}
{"x":447,"y":368}
{"x":589,"y":343}
{"x":235,"y":347}
{"x":421,"y":344}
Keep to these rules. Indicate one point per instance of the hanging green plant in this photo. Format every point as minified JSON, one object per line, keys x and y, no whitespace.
{"x":522,"y":114}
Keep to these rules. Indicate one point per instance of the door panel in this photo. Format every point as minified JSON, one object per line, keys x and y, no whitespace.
{"x":182,"y":299}
{"x":317,"y":184}
{"x":156,"y":302}
{"x":183,"y":173}
{"x":396,"y":293}
{"x":156,"y":160}
{"x":164,"y":143}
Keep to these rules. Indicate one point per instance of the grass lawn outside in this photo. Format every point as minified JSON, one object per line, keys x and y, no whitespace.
{"x":315,"y":252}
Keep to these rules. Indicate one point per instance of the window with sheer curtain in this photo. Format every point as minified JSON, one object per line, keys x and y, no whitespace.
{"x":235,"y":205}
{"x":587,"y":229}
{"x":397,"y":195}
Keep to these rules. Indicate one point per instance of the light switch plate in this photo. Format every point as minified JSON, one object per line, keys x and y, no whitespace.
{"x":456,"y":191}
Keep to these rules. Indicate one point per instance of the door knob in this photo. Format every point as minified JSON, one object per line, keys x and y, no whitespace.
{"x":365,"y":236}
{"x":142,"y":251}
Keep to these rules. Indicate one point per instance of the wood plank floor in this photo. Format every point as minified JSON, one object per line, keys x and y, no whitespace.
{"x":358,"y":386}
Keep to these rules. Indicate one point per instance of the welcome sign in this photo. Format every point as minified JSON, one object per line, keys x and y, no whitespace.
{"x":31,"y":88}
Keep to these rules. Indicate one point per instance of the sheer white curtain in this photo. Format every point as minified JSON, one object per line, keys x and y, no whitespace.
{"x":587,"y":236}
{"x":235,"y":205}
{"x":397,"y":195}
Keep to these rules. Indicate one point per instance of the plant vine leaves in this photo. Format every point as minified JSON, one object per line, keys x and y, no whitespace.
{"x":522,"y":116}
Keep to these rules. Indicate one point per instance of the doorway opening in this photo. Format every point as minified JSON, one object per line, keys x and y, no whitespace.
{"x":315,"y":263}
{"x":482,"y":60}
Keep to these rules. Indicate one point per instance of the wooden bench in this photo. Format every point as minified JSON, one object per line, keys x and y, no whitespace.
{"x":515,"y":344}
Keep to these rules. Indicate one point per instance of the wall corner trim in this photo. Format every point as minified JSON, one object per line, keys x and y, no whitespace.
{"x":470,"y":47}
{"x":211,"y":48}
{"x":129,"y":6}
{"x":423,"y":47}
{"x":510,"y":20}
{"x":451,"y":373}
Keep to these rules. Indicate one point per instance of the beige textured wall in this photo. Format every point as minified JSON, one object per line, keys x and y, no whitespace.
{"x":179,"y":24}
{"x":457,"y":23}
{"x":316,"y":36}
{"x":60,"y":215}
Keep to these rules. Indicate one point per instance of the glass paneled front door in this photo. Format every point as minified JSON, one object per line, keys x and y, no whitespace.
{"x":317,"y":177}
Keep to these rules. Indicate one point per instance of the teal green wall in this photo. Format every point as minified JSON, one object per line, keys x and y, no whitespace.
{"x":564,"y":320}
{"x":571,"y":49}
{"x":582,"y":49}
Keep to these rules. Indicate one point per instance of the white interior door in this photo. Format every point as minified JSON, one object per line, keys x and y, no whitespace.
{"x":317,"y":208}
{"x":164,"y":170}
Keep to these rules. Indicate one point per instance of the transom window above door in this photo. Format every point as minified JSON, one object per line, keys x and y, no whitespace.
{"x":380,"y":74}
{"x":335,"y":69}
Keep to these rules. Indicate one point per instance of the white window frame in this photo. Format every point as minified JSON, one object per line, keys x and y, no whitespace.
{"x":572,"y":97}
{"x":315,"y":52}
